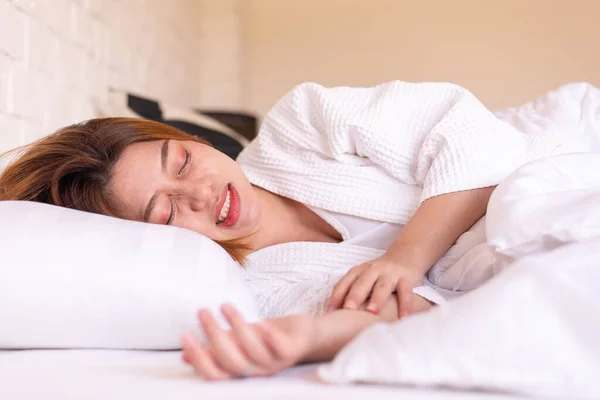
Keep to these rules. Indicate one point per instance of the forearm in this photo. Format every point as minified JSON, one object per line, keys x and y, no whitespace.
{"x":436,"y":225}
{"x":334,"y":330}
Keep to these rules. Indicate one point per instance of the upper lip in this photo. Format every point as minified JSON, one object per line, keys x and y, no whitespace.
{"x":220,"y":203}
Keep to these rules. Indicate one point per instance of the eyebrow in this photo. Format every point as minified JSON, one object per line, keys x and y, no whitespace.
{"x":164,"y":152}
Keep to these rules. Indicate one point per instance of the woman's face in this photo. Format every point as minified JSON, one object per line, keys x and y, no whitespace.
{"x":185,"y":184}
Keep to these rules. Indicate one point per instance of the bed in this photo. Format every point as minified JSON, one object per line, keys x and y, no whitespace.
{"x":109,"y":374}
{"x":488,"y":344}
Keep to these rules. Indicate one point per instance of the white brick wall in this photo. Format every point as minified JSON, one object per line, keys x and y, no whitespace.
{"x":58,"y":58}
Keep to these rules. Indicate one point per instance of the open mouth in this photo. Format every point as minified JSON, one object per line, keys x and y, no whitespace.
{"x":225,"y":208}
{"x":229,"y":212}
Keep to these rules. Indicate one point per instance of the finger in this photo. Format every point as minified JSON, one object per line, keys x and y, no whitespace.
{"x":404,"y":294}
{"x":340,"y":290}
{"x":202,"y":361}
{"x":360,"y":290}
{"x":382,"y":290}
{"x":277,"y":342}
{"x":223,"y":347}
{"x":250,"y":342}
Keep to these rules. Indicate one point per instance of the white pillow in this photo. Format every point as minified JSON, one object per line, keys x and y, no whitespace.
{"x":70,"y":279}
{"x":545,"y":204}
{"x":531,"y":330}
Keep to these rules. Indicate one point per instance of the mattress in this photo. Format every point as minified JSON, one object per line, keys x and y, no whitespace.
{"x":109,"y":374}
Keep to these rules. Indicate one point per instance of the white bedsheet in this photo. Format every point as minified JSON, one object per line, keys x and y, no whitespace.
{"x":146,"y":375}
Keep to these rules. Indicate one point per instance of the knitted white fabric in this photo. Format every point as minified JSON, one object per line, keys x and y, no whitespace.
{"x":374,"y":153}
{"x":378,"y":152}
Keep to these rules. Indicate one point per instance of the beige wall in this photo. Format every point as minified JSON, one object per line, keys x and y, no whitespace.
{"x":504,"y":51}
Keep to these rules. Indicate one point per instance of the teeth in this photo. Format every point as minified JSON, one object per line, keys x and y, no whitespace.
{"x":225,"y":209}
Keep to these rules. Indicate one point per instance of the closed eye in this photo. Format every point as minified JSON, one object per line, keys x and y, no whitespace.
{"x":172,"y":213}
{"x":188,"y":158}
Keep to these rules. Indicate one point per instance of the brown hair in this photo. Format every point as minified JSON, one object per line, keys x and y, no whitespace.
{"x":72,"y":167}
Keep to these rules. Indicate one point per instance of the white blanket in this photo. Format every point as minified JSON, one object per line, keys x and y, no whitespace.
{"x":532,"y":330}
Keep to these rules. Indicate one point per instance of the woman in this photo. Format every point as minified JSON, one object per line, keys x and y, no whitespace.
{"x":400,"y":169}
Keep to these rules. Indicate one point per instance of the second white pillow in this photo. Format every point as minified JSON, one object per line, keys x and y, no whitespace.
{"x":545,"y":204}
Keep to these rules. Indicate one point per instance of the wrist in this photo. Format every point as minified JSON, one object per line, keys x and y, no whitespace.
{"x":315,"y":342}
{"x":317,"y":346}
{"x":410,"y":257}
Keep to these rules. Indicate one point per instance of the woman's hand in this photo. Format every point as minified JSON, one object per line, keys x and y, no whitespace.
{"x":376,"y":281}
{"x":248,"y":350}
{"x":429,"y":233}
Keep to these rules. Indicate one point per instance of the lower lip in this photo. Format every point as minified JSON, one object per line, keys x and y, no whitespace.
{"x":234,"y":208}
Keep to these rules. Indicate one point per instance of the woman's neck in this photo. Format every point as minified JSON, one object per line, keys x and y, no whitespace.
{"x":284,"y":220}
{"x":277,"y":220}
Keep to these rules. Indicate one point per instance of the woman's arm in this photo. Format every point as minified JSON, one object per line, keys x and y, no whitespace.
{"x":435,"y":227}
{"x":334,"y":330}
{"x":430,"y":232}
{"x":270,"y":346}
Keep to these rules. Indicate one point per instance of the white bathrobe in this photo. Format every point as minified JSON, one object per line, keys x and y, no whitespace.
{"x":375,"y":153}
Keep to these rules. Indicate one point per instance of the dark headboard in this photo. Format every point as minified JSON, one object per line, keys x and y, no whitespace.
{"x":243,"y":123}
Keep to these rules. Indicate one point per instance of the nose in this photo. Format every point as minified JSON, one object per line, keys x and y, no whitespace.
{"x":200,"y":195}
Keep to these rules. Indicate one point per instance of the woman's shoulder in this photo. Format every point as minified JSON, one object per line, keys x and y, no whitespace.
{"x":309,"y":102}
{"x":310,"y":87}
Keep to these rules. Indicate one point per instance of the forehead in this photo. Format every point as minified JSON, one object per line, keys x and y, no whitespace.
{"x":135,"y":176}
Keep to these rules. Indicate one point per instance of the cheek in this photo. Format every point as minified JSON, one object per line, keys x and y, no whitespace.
{"x":252,"y":208}
{"x":207,"y":162}
{"x":205,"y":169}
{"x":195,"y":222}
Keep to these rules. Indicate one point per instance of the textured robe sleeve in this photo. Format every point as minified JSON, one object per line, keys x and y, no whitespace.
{"x":437,"y":136}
